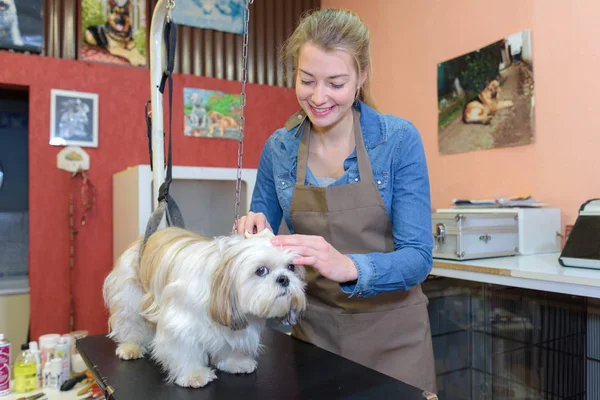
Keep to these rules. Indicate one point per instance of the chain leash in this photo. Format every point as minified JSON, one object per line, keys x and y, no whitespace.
{"x":238,"y":185}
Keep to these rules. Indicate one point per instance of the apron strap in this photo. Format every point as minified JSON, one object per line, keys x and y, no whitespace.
{"x":303,"y":153}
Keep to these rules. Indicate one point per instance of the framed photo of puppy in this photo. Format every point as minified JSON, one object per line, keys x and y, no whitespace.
{"x":73,"y":118}
{"x":114,"y":32}
{"x":21,"y":25}
{"x":486,"y":97}
{"x":211,"y":114}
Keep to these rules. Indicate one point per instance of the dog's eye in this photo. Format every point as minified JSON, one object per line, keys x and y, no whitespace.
{"x":262,"y":271}
{"x":291,"y":267}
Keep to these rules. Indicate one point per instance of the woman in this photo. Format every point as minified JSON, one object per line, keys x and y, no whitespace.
{"x":352,"y":186}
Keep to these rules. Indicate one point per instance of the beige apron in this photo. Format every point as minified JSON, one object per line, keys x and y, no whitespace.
{"x":389,"y":332}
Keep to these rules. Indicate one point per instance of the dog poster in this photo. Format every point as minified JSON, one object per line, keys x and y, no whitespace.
{"x":114,"y":32}
{"x":220,"y":15}
{"x":21,"y":25}
{"x":212,"y":114}
{"x":73,"y":118}
{"x":486,"y":97}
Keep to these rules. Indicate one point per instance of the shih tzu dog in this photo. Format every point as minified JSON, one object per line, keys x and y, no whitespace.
{"x":197,"y":304}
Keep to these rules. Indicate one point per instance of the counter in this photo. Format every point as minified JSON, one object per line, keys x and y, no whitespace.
{"x":537,"y":272}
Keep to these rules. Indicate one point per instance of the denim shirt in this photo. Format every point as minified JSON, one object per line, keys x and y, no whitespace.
{"x":397,"y":156}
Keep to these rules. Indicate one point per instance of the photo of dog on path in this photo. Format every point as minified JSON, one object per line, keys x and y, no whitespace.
{"x":486,"y":97}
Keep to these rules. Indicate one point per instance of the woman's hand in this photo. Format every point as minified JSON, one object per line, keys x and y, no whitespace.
{"x":318,"y":253}
{"x":253,"y":223}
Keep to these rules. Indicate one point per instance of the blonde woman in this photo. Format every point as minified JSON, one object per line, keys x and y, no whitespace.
{"x":352,"y":186}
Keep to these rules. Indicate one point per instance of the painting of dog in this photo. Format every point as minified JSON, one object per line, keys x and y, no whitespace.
{"x":114,"y":31}
{"x":73,"y":118}
{"x":21,"y":25}
{"x":486,"y":97}
{"x":210,"y":113}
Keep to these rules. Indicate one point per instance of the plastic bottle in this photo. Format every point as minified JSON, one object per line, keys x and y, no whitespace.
{"x":55,"y":373}
{"x":47,"y":373}
{"x":62,"y":350}
{"x":33,"y":347}
{"x":25,"y":371}
{"x":4,"y":366}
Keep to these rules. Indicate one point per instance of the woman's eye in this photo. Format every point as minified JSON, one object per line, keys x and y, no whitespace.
{"x":306,"y":82}
{"x":337,"y":86}
{"x":262,"y":271}
{"x":291,"y":267}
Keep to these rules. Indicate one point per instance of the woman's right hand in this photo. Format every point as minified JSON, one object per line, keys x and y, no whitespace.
{"x":253,"y":223}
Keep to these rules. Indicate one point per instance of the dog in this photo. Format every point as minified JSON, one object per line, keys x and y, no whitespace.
{"x":199,"y":115}
{"x":116,"y":35}
{"x":482,"y":109}
{"x":9,"y":23}
{"x":73,"y":119}
{"x":196,"y":303}
{"x":220,"y":122}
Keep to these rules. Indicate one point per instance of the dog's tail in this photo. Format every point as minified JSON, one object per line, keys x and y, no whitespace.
{"x":122,"y":289}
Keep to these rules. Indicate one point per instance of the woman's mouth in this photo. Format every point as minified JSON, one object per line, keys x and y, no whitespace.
{"x":321,"y":111}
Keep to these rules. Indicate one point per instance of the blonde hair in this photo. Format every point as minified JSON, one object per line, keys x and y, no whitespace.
{"x":331,"y":30}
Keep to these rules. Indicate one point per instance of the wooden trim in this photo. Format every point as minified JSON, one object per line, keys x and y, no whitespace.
{"x":471,"y":268}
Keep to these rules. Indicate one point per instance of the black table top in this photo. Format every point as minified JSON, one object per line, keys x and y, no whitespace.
{"x":288,"y":369}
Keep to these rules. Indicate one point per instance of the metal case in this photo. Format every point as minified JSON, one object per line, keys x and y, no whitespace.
{"x":464,"y":236}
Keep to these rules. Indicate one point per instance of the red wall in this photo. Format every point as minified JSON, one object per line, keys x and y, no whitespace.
{"x":123,"y":92}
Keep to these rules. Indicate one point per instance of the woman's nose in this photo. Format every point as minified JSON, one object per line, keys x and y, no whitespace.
{"x":318,"y":96}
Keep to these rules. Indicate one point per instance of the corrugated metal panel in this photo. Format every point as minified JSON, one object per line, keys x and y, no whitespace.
{"x":216,"y":54}
{"x":202,"y":52}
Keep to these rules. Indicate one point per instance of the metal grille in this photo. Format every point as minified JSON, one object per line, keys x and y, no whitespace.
{"x":202,"y":52}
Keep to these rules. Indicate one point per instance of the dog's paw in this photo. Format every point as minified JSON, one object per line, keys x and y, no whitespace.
{"x":238,"y":365}
{"x":197,"y":378}
{"x":129,"y":351}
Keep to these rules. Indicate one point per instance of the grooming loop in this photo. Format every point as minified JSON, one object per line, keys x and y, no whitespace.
{"x":163,"y":33}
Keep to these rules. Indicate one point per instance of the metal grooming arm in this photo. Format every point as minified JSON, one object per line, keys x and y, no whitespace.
{"x":157,"y":66}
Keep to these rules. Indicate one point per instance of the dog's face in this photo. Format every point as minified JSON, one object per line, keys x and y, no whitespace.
{"x":119,"y":18}
{"x":256,"y":279}
{"x":6,"y":5}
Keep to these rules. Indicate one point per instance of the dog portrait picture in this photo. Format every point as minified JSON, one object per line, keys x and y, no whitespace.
{"x":211,"y":114}
{"x":486,"y":97}
{"x":73,"y":118}
{"x":21,"y":26}
{"x":220,"y":15}
{"x":114,"y":32}
{"x":197,"y":305}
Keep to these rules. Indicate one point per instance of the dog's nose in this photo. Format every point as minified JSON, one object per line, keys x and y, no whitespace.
{"x":283,"y":280}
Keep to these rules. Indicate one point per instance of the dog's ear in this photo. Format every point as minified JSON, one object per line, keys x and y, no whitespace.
{"x":224,"y":304}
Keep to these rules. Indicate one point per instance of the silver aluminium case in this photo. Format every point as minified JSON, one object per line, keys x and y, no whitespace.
{"x":464,"y":236}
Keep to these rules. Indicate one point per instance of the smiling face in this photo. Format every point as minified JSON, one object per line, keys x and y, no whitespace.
{"x":326,"y":85}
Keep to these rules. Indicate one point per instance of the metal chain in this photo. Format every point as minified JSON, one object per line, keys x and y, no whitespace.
{"x":238,"y":185}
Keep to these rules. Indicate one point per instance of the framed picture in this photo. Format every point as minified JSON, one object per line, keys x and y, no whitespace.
{"x":113,"y":32}
{"x":223,"y":15}
{"x":486,"y":97}
{"x":211,"y":114}
{"x":73,"y":118}
{"x":21,"y":25}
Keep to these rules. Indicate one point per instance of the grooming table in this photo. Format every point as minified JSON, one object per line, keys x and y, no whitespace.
{"x":287,"y":369}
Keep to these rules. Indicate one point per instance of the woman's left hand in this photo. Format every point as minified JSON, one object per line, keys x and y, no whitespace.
{"x":318,"y":253}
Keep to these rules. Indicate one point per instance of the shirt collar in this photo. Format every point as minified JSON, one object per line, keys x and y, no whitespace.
{"x":371,"y":123}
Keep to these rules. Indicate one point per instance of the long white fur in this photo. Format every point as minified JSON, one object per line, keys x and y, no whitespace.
{"x":195,"y":303}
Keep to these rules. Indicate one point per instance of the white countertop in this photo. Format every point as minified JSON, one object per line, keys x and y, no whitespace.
{"x":538,"y":272}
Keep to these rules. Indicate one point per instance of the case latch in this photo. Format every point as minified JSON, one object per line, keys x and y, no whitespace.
{"x":440,"y":233}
